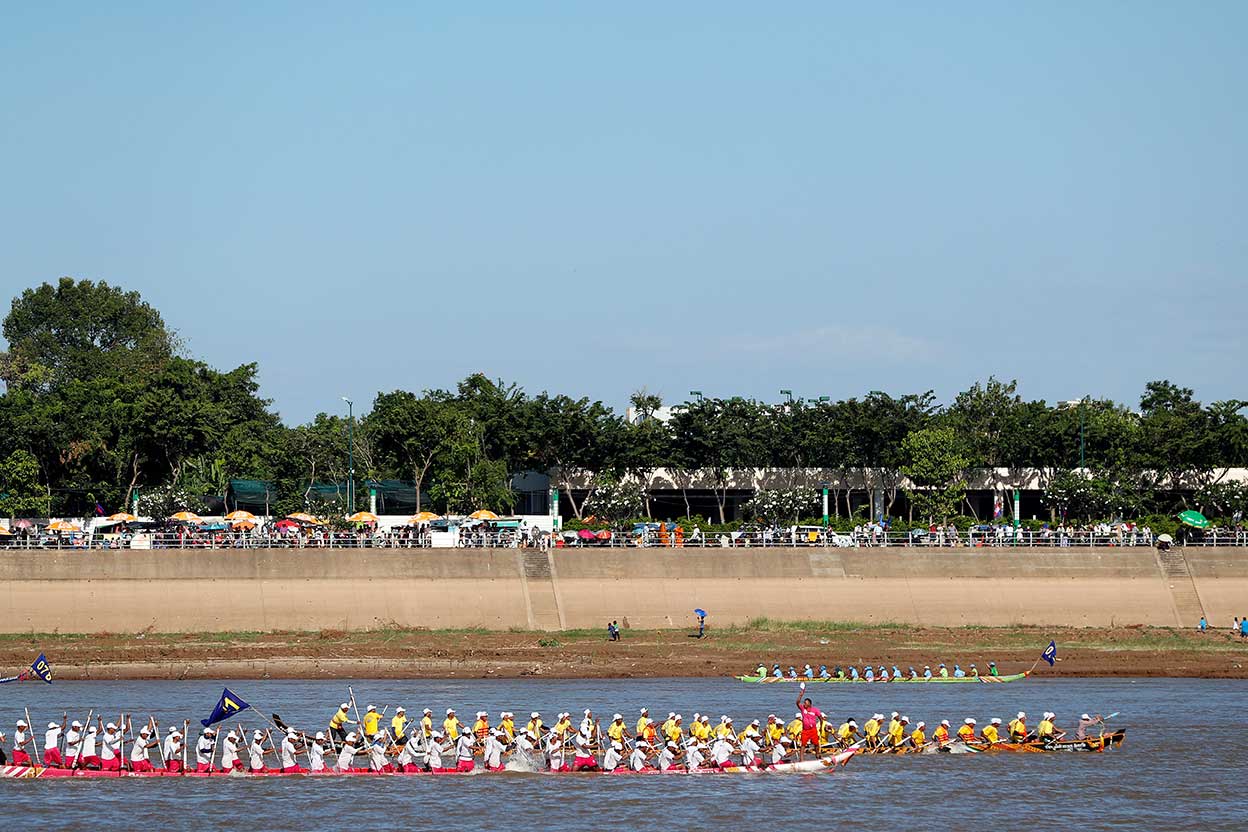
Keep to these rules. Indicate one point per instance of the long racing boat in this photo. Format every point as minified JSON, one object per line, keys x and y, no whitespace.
{"x":935,"y":680}
{"x":815,"y":766}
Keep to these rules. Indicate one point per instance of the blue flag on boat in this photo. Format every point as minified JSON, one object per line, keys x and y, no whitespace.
{"x":41,"y":669}
{"x":1050,"y":653}
{"x":230,"y":704}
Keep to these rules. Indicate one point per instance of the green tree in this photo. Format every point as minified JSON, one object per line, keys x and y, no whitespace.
{"x":21,"y":495}
{"x":935,"y":463}
{"x":412,"y":432}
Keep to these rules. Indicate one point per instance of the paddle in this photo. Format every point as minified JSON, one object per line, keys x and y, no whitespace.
{"x":35,"y":760}
{"x":82,"y":736}
{"x":160,"y":746}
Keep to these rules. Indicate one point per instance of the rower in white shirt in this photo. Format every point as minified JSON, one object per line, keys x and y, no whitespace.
{"x":346,"y":755}
{"x":73,"y":744}
{"x":52,"y":745}
{"x":406,"y":761}
{"x":555,"y":750}
{"x":667,"y":757}
{"x":256,"y":752}
{"x":780,"y":751}
{"x":433,"y":754}
{"x":229,"y":753}
{"x":90,"y":757}
{"x":465,"y":750}
{"x":492,"y":751}
{"x":694,"y":757}
{"x":290,"y":748}
{"x":316,"y":752}
{"x":172,"y":750}
{"x":140,"y":748}
{"x":110,"y":748}
{"x":749,"y":750}
{"x":205,"y":748}
{"x":613,"y":757}
{"x":587,"y":724}
{"x":377,"y":761}
{"x":637,"y":759}
{"x":22,"y":737}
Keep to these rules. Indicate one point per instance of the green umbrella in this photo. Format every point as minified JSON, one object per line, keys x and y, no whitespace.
{"x":1194,"y":519}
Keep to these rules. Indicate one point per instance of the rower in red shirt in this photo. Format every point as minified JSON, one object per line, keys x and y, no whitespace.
{"x":810,"y":720}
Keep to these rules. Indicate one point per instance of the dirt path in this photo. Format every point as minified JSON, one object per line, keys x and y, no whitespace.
{"x":581,"y":654}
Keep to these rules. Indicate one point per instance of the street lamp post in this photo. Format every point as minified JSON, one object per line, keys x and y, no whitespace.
{"x":788,"y":393}
{"x":697,"y":393}
{"x":350,"y":455}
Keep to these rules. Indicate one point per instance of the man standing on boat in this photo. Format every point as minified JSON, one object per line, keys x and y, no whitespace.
{"x":339,"y":721}
{"x":810,"y":716}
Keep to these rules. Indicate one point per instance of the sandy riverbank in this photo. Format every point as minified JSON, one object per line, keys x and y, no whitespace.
{"x":403,"y":653}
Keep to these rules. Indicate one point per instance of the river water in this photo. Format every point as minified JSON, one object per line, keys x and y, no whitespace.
{"x":1155,"y":781}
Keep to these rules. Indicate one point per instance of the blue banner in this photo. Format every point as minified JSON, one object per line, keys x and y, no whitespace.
{"x":1050,"y":653}
{"x":230,"y":704}
{"x":42,"y":669}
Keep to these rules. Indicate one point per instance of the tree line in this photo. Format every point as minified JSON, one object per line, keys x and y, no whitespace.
{"x":102,"y":402}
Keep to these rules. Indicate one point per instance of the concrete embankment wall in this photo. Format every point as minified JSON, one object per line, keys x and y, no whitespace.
{"x":312,"y":589}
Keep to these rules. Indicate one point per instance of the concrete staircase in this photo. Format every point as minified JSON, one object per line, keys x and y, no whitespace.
{"x":1188,"y":608}
{"x":541,"y":599}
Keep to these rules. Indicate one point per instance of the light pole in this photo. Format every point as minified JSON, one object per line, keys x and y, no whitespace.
{"x":1079,"y":404}
{"x":788,"y":393}
{"x":350,"y":455}
{"x":697,"y":393}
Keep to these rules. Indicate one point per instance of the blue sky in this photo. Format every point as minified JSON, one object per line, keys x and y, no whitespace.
{"x":594,"y":198}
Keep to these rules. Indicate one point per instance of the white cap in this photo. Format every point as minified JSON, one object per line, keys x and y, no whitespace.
{"x":905,"y":719}
{"x":697,"y":715}
{"x":53,"y":725}
{"x":671,"y":714}
{"x":344,"y":706}
{"x":427,"y":711}
{"x":482,"y":713}
{"x":617,"y":717}
{"x":785,"y":741}
{"x":645,"y":710}
{"x":1084,"y":716}
{"x":969,"y":721}
{"x":257,"y":734}
{"x":206,"y":732}
{"x":109,"y":727}
{"x":705,"y":719}
{"x":534,"y":715}
{"x":671,"y":744}
{"x":678,"y":718}
{"x":588,"y":712}
{"x":21,"y":723}
{"x":853,"y":723}
{"x":450,"y":711}
{"x":642,"y":744}
{"x":797,"y":715}
{"x":1022,"y":714}
{"x":75,"y":724}
{"x":996,"y":720}
{"x":351,"y":737}
{"x":144,"y":732}
{"x":172,"y":730}
{"x":727,"y":719}
{"x":400,"y":710}
{"x":921,"y":724}
{"x":372,"y":707}
{"x":894,"y":714}
{"x":945,"y":722}
{"x":878,"y":716}
{"x":755,"y":722}
{"x":292,"y":733}
{"x":436,"y":734}
{"x":320,"y":735}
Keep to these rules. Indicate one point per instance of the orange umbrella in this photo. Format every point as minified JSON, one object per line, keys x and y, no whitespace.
{"x":186,"y":517}
{"x":483,"y":514}
{"x":423,"y":517}
{"x":245,"y":525}
{"x":62,"y":526}
{"x":122,"y":517}
{"x":362,"y":517}
{"x":241,"y":516}
{"x":303,"y":517}
{"x":4,"y":530}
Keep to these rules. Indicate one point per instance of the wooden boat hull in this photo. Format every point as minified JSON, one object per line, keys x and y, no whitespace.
{"x":1091,"y":744}
{"x":935,"y":680}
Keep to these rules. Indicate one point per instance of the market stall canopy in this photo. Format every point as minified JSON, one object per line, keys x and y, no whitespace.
{"x":186,"y":517}
{"x":362,"y":517}
{"x":483,"y":514}
{"x":1194,"y":519}
{"x":423,"y":517}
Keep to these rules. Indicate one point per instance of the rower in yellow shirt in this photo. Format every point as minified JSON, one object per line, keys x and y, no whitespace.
{"x":398,"y":725}
{"x":1018,"y":727}
{"x":507,"y":724}
{"x":941,"y":734}
{"x":426,"y":722}
{"x":917,"y":737}
{"x":1046,"y":731}
{"x":451,"y":725}
{"x":534,"y":728}
{"x":846,"y":733}
{"x":371,"y":721}
{"x":675,"y":731}
{"x":794,"y":728}
{"x":871,"y":730}
{"x":564,"y":725}
{"x":897,"y":731}
{"x":751,"y":731}
{"x":724,"y":729}
{"x":339,"y":720}
{"x":892,"y":724}
{"x":774,"y":730}
{"x":482,"y":726}
{"x":617,"y":731}
{"x":992,"y":731}
{"x":966,"y":732}
{"x":644,"y":722}
{"x":666,"y":727}
{"x":825,"y":731}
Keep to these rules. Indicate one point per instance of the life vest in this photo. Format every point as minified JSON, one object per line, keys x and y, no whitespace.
{"x":967,"y":733}
{"x":941,"y":735}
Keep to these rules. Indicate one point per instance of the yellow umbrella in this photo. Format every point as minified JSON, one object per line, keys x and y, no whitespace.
{"x":187,"y":517}
{"x":122,"y":517}
{"x":241,"y":516}
{"x":4,"y":530}
{"x":362,"y":517}
{"x":62,"y":526}
{"x":303,"y":517}
{"x":423,"y":517}
{"x":483,"y":514}
{"x":245,"y":525}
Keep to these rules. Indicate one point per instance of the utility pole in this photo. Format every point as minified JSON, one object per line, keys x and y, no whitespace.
{"x":350,"y":454}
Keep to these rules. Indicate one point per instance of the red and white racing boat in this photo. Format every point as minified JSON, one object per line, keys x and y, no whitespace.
{"x":821,"y":764}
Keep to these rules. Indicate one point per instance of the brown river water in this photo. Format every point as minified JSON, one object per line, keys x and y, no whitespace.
{"x":1182,"y":766}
